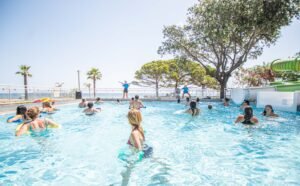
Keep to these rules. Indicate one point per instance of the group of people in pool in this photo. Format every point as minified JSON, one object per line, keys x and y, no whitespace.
{"x":31,"y":120}
{"x":136,"y":139}
{"x":248,"y":117}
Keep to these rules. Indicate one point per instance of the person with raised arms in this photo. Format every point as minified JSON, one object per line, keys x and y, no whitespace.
{"x":125,"y":89}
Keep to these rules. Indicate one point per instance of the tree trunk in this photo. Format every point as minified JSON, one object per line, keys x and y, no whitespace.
{"x":89,"y":91}
{"x":25,"y":87}
{"x":223,"y":84}
{"x":156,"y":88}
{"x":94,"y":84}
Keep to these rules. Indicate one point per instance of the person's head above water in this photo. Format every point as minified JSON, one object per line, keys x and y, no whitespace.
{"x":83,"y":100}
{"x":227,"y":99}
{"x":134,"y":117}
{"x":209,"y":107}
{"x":136,"y":97}
{"x":198,"y":100}
{"x":187,"y":99}
{"x":178,"y":100}
{"x":248,"y":113}
{"x":98,"y":99}
{"x":47,"y":105}
{"x":132,"y":99}
{"x":21,"y":110}
{"x":268,"y":110}
{"x":90,"y":105}
{"x":33,"y":113}
{"x":246,"y":103}
{"x":118,"y":100}
{"x":193,"y":107}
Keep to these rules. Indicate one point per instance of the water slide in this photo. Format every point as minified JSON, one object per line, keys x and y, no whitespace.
{"x":290,"y":65}
{"x":286,"y":65}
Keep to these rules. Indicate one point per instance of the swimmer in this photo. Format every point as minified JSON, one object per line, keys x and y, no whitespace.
{"x":245,"y":104}
{"x":198,"y":100}
{"x":118,"y":101}
{"x":210,"y":107}
{"x":269,"y":111}
{"x":52,"y":105}
{"x":90,"y":110}
{"x":178,"y":100}
{"x":137,"y":137}
{"x":193,"y":110}
{"x":98,"y":101}
{"x":136,"y":103}
{"x":247,"y":118}
{"x":82,"y":104}
{"x":185,"y":91}
{"x":226,"y":102}
{"x":20,"y":114}
{"x":47,"y":108}
{"x":125,"y":90}
{"x":187,"y":101}
{"x":36,"y":124}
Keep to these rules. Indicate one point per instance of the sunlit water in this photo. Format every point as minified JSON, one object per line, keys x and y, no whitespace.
{"x":204,"y":150}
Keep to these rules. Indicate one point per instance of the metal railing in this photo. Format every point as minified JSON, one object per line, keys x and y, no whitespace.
{"x":12,"y":93}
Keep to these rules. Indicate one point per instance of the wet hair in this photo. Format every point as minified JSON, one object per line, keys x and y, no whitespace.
{"x":47,"y":104}
{"x":248,"y":113}
{"x":187,"y":99}
{"x":118,"y":100}
{"x":265,"y":112}
{"x":90,"y":104}
{"x":132,"y":98}
{"x":198,"y":100}
{"x":83,"y":100}
{"x":136,"y":97}
{"x":98,"y":99}
{"x":209,"y":107}
{"x":193,"y":106}
{"x":21,"y":110}
{"x":227,"y":99}
{"x":178,"y":100}
{"x":247,"y":102}
{"x":135,"y":119}
{"x":33,"y":113}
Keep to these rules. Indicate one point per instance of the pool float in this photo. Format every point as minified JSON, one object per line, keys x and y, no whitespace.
{"x":127,"y":154}
{"x":49,"y":126}
{"x":43,"y":100}
{"x":16,"y":121}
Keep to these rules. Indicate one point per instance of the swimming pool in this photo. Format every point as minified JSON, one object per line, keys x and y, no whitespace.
{"x":204,"y":150}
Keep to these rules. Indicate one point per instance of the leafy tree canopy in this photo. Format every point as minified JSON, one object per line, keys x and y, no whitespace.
{"x":224,"y":34}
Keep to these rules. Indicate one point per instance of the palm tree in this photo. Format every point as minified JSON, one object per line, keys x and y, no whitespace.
{"x":88,"y":85}
{"x":24,"y":71}
{"x":94,"y":74}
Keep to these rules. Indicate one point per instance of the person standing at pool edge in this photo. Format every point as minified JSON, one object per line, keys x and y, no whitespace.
{"x":185,"y":91}
{"x":125,"y":90}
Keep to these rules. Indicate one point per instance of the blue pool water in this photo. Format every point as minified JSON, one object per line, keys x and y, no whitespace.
{"x":204,"y":150}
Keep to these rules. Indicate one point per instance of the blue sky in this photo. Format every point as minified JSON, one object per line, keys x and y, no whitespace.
{"x":58,"y":37}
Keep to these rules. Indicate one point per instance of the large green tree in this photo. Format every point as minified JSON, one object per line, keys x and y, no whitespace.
{"x":152,"y":74}
{"x":24,"y":71}
{"x":225,"y":33}
{"x":94,"y":74}
{"x":181,"y":71}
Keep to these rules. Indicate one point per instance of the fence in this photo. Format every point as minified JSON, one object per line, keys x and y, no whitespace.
{"x":12,"y":93}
